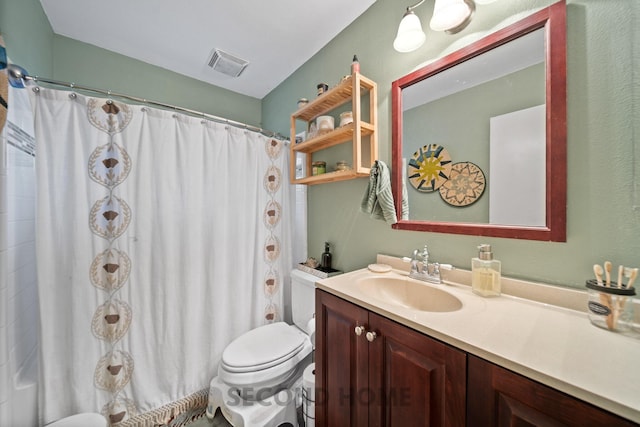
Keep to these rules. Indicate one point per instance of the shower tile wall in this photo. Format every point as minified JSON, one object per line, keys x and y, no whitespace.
{"x":4,"y":352}
{"x":23,"y":296}
{"x":21,"y":290}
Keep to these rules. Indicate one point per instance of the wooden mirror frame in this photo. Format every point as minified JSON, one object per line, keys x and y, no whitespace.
{"x":553,"y":20}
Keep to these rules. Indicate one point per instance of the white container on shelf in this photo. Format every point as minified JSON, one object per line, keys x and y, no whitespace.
{"x":346,"y":118}
{"x":325,"y":124}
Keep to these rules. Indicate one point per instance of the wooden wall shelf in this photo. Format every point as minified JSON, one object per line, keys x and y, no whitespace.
{"x":350,"y":90}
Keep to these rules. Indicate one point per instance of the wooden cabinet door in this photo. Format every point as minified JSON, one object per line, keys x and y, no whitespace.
{"x":499,"y":397}
{"x":341,"y":363}
{"x":416,"y":380}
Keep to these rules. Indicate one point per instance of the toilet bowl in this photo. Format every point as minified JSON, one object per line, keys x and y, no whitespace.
{"x":81,"y":420}
{"x":260,"y":374}
{"x":261,"y":360}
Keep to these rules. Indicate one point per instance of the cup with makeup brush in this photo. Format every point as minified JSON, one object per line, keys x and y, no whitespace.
{"x":610,"y":304}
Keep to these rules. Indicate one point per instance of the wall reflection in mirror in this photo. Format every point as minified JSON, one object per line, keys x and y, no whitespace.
{"x":479,"y":137}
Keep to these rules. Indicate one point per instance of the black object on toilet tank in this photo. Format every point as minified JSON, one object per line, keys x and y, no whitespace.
{"x":325,"y":262}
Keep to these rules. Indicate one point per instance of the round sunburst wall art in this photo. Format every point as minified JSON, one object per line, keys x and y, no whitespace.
{"x":429,"y":168}
{"x":465,"y":185}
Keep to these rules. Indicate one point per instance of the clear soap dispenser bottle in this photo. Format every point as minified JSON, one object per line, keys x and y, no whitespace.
{"x":485,"y":273}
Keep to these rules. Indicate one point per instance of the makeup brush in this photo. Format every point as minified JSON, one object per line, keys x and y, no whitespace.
{"x":604,"y":298}
{"x":633,"y":273}
{"x":620,"y":271}
{"x":597,"y":270}
{"x":607,"y":273}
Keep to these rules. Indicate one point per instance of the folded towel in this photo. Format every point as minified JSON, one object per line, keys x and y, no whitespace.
{"x":378,"y":199}
{"x":405,"y":196}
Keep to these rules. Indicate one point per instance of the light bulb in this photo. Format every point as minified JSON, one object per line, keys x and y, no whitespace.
{"x":449,"y":14}
{"x":410,"y":35}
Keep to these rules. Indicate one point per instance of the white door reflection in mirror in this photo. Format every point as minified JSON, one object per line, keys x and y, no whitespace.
{"x":517,"y":168}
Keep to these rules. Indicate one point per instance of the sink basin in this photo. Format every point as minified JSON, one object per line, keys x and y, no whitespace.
{"x":409,"y":293}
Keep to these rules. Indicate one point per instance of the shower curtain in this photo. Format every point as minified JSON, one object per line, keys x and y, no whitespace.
{"x":160,"y":238}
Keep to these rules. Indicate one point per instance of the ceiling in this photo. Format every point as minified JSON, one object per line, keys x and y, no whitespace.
{"x":275,"y":36}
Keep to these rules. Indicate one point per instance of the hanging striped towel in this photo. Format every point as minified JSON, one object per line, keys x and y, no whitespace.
{"x":378,"y":199}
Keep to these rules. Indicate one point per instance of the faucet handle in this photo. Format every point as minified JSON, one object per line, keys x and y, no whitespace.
{"x":414,"y":262}
{"x":424,"y":255}
{"x":425,"y":260}
{"x":436,"y":268}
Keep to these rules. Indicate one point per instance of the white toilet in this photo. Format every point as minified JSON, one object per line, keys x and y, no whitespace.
{"x":260,"y":375}
{"x":81,"y":420}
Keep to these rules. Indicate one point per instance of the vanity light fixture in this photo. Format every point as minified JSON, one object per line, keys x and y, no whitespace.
{"x":450,"y":16}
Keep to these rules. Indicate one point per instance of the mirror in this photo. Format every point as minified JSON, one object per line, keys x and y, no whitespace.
{"x":479,"y":136}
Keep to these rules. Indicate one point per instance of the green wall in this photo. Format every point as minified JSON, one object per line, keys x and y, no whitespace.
{"x":603,"y":94}
{"x":27,"y":35}
{"x":32,"y":44}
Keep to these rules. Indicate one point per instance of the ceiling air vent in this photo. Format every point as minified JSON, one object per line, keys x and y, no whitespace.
{"x":226,"y":63}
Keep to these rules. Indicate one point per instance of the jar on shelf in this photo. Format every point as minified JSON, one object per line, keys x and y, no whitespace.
{"x":318,"y":167}
{"x":302,"y":102}
{"x":346,"y":118}
{"x":322,"y":88}
{"x":325,"y":124}
{"x":342,"y":166}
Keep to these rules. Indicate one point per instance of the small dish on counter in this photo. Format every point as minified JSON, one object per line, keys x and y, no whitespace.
{"x":379,"y":268}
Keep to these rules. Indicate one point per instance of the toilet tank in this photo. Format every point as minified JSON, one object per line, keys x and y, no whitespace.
{"x":303,"y":298}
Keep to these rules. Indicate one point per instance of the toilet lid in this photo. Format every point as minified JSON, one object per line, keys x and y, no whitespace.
{"x":263,"y":347}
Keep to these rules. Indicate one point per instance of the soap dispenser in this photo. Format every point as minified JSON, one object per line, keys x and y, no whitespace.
{"x":485,"y":273}
{"x":325,"y":263}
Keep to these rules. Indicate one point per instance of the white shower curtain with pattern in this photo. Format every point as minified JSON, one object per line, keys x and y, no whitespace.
{"x":160,"y":238}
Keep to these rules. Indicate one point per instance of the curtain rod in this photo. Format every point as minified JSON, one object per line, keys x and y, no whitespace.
{"x":18,"y":73}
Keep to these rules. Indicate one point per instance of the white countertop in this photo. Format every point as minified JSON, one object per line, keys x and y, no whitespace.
{"x":553,"y":345}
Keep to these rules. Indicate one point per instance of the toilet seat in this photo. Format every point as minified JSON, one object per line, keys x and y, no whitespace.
{"x":264,"y":357}
{"x":263,"y":347}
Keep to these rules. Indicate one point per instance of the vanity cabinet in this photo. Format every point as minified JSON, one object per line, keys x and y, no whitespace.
{"x":387,"y":374}
{"x":499,"y":397}
{"x":372,"y":371}
{"x":361,"y":134}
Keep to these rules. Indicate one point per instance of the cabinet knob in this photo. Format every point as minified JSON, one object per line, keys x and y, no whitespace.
{"x":371,"y":336}
{"x":359,"y":330}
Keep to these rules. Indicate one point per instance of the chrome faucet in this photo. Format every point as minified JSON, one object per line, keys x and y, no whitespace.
{"x":422,"y":269}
